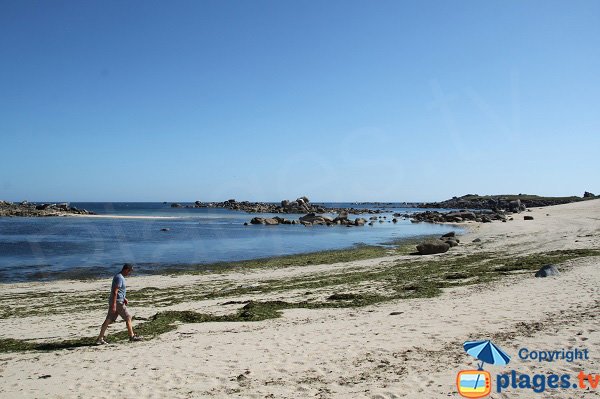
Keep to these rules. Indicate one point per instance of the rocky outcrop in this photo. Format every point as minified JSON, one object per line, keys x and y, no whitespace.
{"x":271,"y":221}
{"x":301,"y":205}
{"x":513,"y":203}
{"x":312,"y":219}
{"x":588,"y":195}
{"x":481,"y":216}
{"x":30,"y":209}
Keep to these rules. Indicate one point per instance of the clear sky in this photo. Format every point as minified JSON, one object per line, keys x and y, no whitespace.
{"x":265,"y":100}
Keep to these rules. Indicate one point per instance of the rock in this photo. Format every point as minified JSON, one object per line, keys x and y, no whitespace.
{"x":285,"y":203}
{"x":528,"y":217}
{"x":450,"y":234}
{"x":360,"y":221}
{"x":396,"y":313}
{"x":313,"y":218}
{"x":452,"y":242}
{"x":588,"y":195}
{"x":515,"y":206}
{"x":271,"y":221}
{"x":433,"y":247}
{"x":394,"y":220}
{"x":245,"y":223}
{"x":165,"y":229}
{"x":176,"y":205}
{"x":342,"y":216}
{"x":546,"y":271}
{"x":257,"y":220}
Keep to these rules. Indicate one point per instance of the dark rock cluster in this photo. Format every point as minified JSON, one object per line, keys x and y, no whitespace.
{"x":300,"y":205}
{"x":313,"y":219}
{"x":480,"y":216}
{"x":512,"y":203}
{"x":33,"y":209}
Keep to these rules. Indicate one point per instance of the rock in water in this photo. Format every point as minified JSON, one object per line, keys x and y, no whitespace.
{"x":431,"y":247}
{"x":546,"y":271}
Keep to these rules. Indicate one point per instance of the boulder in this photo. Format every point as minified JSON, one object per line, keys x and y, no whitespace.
{"x":433,"y":247}
{"x":515,"y":206}
{"x":257,"y":220}
{"x":450,"y":234}
{"x":360,"y":221}
{"x":341,"y":216}
{"x":588,"y":195}
{"x":546,"y":271}
{"x":528,"y":217}
{"x":316,"y":219}
{"x":271,"y":221}
{"x":176,"y":205}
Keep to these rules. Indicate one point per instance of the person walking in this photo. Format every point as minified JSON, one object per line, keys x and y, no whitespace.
{"x":117,"y":305}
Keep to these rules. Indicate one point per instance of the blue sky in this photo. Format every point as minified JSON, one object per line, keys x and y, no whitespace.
{"x":265,"y":100}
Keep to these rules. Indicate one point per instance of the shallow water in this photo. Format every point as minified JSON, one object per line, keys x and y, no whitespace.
{"x":76,"y":247}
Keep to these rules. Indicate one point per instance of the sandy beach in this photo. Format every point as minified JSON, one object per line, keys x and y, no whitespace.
{"x":396,"y":348}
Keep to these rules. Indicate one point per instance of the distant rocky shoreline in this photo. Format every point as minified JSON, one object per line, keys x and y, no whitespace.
{"x":29,"y":209}
{"x":470,"y":207}
{"x":300,"y":205}
{"x":497,"y":202}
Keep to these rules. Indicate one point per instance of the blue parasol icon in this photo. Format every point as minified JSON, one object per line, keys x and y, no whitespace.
{"x":487,"y":352}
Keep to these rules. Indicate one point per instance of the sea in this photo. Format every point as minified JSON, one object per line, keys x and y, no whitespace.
{"x":72,"y":247}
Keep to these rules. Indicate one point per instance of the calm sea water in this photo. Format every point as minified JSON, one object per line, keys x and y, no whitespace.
{"x":78,"y":247}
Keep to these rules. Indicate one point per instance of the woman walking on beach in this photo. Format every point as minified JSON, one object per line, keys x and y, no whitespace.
{"x":117,"y":305}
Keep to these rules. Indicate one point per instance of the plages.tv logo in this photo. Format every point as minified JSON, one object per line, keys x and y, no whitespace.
{"x":478,"y":383}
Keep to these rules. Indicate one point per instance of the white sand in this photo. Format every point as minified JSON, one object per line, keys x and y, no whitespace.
{"x":332,"y":353}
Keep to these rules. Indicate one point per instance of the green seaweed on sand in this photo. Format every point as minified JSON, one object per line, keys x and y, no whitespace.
{"x":401,"y":279}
